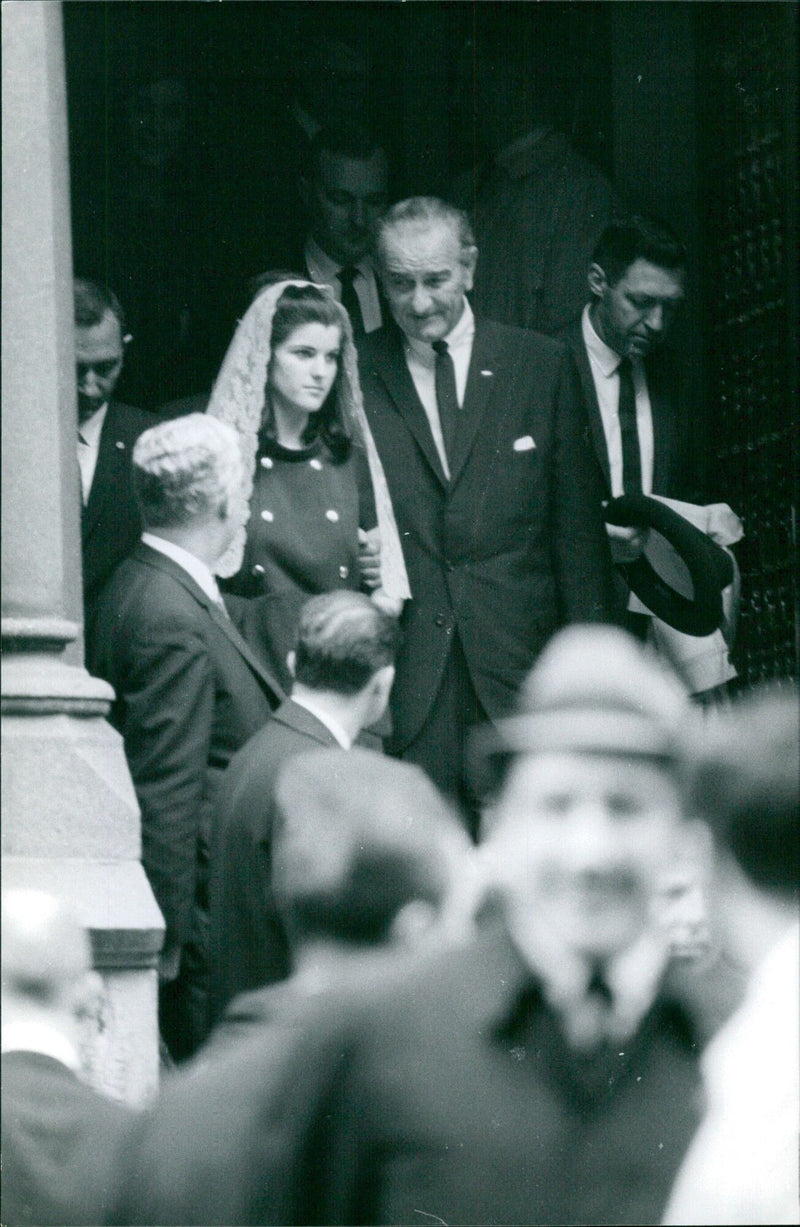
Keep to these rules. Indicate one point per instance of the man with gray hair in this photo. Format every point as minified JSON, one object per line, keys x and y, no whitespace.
{"x":189,"y":690}
{"x":481,"y":433}
{"x":343,"y":672}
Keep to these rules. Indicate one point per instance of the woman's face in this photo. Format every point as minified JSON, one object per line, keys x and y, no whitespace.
{"x":304,"y":366}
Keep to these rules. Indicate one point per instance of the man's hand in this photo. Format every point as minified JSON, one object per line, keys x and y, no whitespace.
{"x":626,"y":543}
{"x":369,"y":557}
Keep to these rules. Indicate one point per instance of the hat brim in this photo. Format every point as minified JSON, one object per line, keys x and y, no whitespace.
{"x":709,"y":566}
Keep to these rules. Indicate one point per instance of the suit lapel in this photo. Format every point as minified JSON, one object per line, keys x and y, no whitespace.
{"x":162,"y":563}
{"x":396,"y":378}
{"x":598,"y":435}
{"x":480,"y":383}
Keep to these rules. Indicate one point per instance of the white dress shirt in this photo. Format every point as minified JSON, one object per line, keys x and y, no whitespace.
{"x":323,"y":270}
{"x":421,"y":362}
{"x":604,"y":363}
{"x":333,"y":726}
{"x":194,"y":566}
{"x":89,"y":447}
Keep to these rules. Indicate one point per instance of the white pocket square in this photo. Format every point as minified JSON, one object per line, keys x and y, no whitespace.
{"x":525,"y":444}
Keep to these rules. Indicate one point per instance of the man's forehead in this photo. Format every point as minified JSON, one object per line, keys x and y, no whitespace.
{"x":360,"y":176}
{"x":568,"y":771}
{"x":643,"y":277}
{"x":432,"y":246}
{"x":99,"y":340}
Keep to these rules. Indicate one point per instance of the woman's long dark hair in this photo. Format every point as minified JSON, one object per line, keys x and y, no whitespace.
{"x":299,"y":305}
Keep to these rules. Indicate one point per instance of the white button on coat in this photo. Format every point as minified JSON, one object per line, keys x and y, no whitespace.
{"x":268,"y":516}
{"x":332,"y":515}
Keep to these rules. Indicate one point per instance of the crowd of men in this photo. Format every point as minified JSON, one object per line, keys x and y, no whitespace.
{"x":439,"y":983}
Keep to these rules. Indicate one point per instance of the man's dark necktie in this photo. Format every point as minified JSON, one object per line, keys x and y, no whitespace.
{"x":352,"y":306}
{"x":446,"y":394}
{"x":631,"y":456}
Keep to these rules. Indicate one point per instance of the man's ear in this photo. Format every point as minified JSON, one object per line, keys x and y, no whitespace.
{"x":469,"y":258}
{"x":598,"y":282}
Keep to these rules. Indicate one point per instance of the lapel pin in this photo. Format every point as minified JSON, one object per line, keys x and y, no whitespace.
{"x":525,"y":444}
{"x":487,"y":372}
{"x":120,"y":445}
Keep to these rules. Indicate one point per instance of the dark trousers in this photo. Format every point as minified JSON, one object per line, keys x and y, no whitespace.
{"x":183,"y":1003}
{"x":439,"y":746}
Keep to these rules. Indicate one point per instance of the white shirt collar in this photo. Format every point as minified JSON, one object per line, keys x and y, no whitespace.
{"x":459,"y":337}
{"x":606,"y":358}
{"x":190,"y":563}
{"x":323,"y":269}
{"x":333,"y":726}
{"x":40,"y":1038}
{"x":89,"y":431}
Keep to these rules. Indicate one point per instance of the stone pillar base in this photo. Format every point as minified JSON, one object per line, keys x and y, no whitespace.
{"x":71,"y":827}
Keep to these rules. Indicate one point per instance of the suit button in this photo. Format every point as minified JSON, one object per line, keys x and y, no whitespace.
{"x":439,"y":620}
{"x":344,"y":572}
{"x":258,"y":569}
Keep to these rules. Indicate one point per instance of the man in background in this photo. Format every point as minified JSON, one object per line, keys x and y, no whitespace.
{"x":61,"y":1140}
{"x":343,"y":188}
{"x":742,"y":1165}
{"x":107,"y":430}
{"x":370,"y":870}
{"x":343,"y":673}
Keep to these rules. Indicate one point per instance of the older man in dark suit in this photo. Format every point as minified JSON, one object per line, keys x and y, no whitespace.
{"x":61,"y":1140}
{"x":107,"y":430}
{"x":189,"y":690}
{"x":480,"y":430}
{"x":343,"y":670}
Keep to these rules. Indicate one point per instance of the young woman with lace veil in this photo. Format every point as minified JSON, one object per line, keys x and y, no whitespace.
{"x":320,"y":516}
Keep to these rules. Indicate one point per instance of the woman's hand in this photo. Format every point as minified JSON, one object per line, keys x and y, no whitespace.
{"x":369,"y":557}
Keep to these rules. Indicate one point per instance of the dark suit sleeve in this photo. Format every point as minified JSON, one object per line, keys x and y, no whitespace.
{"x":581,"y":558}
{"x":169,"y":711}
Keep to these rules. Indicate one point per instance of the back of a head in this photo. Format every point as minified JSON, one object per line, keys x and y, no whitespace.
{"x":359,"y":837}
{"x":185,"y":468}
{"x":637,"y":237}
{"x":343,"y":640}
{"x":45,"y":951}
{"x":746,"y":785}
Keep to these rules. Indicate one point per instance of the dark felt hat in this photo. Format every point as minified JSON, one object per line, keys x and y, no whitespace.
{"x":709,"y":567}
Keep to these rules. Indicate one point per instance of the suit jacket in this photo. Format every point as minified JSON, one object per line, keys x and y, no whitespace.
{"x":442,"y":1097}
{"x":513,"y":545}
{"x":60,"y":1142}
{"x":672,"y":468}
{"x":248,"y":942}
{"x":110,"y":521}
{"x":414,"y":1095}
{"x":292,"y":258}
{"x":190,"y":692}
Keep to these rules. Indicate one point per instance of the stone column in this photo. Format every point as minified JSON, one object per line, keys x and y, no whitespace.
{"x":70,"y":819}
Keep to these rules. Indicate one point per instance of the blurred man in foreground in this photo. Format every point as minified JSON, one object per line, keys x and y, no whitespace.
{"x":60,"y":1139}
{"x":742,"y":1166}
{"x":539,"y":1074}
{"x":369,"y":868}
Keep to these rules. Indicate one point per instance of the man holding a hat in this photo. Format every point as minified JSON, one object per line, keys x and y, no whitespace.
{"x":540,"y":1074}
